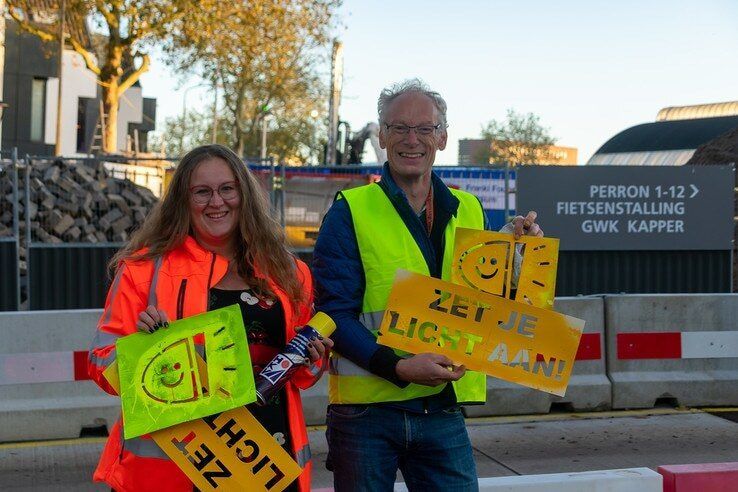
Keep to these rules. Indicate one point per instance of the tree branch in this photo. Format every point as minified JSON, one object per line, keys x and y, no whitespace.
{"x":133,"y":77}
{"x":28,"y":27}
{"x":86,"y":55}
{"x":108,"y":15}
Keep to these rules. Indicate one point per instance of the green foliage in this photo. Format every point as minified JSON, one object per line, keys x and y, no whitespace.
{"x":520,"y":139}
{"x":264,"y":54}
{"x":179,"y":135}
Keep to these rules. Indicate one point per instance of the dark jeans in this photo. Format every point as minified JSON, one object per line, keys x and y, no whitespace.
{"x":368,"y":443}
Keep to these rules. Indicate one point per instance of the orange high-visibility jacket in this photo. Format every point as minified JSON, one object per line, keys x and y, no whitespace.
{"x":178,"y":283}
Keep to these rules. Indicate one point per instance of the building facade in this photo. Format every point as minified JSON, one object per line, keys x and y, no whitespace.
{"x":672,"y":139}
{"x":30,"y":90}
{"x":471,"y":151}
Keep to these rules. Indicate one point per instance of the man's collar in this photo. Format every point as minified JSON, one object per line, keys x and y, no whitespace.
{"x":443,"y":198}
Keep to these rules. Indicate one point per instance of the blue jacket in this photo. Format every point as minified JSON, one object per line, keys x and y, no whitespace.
{"x":339,"y":275}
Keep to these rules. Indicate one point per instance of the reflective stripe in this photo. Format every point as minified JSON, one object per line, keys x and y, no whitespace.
{"x":344,"y":367}
{"x":113,"y":292}
{"x":314,"y":369}
{"x":102,"y":340}
{"x":372,"y":320}
{"x":103,"y":361}
{"x":154,"y":281}
{"x":143,"y":448}
{"x":303,"y":455}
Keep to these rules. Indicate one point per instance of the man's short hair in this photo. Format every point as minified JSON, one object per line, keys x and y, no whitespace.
{"x":390,"y":93}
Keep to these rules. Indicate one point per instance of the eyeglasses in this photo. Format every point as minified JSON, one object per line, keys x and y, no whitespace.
{"x":203,"y":194}
{"x":405,"y":129}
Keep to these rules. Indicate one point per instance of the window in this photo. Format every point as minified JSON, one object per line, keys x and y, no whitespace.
{"x":38,"y":109}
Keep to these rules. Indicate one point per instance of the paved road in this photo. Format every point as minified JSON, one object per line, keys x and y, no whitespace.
{"x":502,"y":446}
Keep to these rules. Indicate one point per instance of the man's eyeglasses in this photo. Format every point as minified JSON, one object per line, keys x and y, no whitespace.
{"x":203,"y":194}
{"x":405,"y":129}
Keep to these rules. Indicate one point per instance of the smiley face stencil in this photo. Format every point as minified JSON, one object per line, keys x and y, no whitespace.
{"x":484,"y":260}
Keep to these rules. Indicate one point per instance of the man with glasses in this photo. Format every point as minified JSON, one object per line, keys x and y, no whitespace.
{"x":389,"y":411}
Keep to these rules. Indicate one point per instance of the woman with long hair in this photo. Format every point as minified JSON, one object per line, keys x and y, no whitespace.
{"x":209,"y":243}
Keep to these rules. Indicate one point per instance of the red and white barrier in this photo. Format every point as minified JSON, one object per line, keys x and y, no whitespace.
{"x":43,"y":367}
{"x":707,"y":477}
{"x":678,"y":345}
{"x":682,"y":348}
{"x":45,"y":392}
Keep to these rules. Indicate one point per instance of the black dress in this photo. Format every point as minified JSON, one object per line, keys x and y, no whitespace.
{"x":263,"y":319}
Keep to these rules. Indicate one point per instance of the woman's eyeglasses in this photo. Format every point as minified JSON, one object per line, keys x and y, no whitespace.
{"x":203,"y":194}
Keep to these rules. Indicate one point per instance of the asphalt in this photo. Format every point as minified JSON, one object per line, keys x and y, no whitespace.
{"x":503,"y":446}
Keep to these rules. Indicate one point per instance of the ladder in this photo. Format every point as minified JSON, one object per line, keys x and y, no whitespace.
{"x":96,"y":145}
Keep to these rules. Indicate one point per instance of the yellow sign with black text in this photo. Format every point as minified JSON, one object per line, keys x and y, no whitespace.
{"x":509,"y":340}
{"x":229,"y":451}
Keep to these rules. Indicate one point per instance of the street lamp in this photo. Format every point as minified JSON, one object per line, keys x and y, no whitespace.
{"x":184,"y":114}
{"x":265,"y":114}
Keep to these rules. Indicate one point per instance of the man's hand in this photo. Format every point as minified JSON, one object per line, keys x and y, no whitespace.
{"x":428,"y":369}
{"x":526,"y":226}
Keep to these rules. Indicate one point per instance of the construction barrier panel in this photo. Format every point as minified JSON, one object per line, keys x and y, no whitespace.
{"x":589,"y":387}
{"x":307,"y":197}
{"x":622,"y":480}
{"x":9,"y":278}
{"x":676,"y":349}
{"x":45,"y":392}
{"x":706,"y":477}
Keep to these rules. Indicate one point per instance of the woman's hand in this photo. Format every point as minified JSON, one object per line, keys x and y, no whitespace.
{"x":318,"y":348}
{"x":151,"y":320}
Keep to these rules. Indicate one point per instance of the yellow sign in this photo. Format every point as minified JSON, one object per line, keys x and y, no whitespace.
{"x":160,"y":382}
{"x":230,"y":451}
{"x":509,"y":340}
{"x":483,"y":260}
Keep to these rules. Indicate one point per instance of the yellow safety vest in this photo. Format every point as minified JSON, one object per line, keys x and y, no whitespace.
{"x":385,"y":245}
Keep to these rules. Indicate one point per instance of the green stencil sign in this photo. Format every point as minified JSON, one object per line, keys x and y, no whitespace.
{"x":161,"y":383}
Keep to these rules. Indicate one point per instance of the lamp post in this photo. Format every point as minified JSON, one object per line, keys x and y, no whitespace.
{"x":184,"y":114}
{"x":265,"y":114}
{"x":58,"y":144}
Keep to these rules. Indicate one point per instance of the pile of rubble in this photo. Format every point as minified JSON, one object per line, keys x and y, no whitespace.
{"x":722,"y":150}
{"x":72,"y":201}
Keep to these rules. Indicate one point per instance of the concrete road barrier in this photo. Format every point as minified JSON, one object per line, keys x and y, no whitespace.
{"x":589,"y":387}
{"x":682,"y":348}
{"x":44,"y":391}
{"x":706,"y":477}
{"x":623,"y":480}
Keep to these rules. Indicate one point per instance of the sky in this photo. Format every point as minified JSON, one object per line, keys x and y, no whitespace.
{"x":588,"y":69}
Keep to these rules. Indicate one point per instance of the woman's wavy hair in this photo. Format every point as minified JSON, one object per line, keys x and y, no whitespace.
{"x":261,"y":247}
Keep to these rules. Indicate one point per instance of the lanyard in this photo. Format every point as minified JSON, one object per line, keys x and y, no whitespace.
{"x":429,"y":211}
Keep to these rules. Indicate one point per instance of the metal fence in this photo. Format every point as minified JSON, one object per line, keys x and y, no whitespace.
{"x":62,"y":219}
{"x":10,"y":261}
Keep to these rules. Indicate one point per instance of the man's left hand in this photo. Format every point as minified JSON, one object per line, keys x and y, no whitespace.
{"x":526,"y":226}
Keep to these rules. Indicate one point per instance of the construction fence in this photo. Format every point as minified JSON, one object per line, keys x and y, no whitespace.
{"x":62,"y":219}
